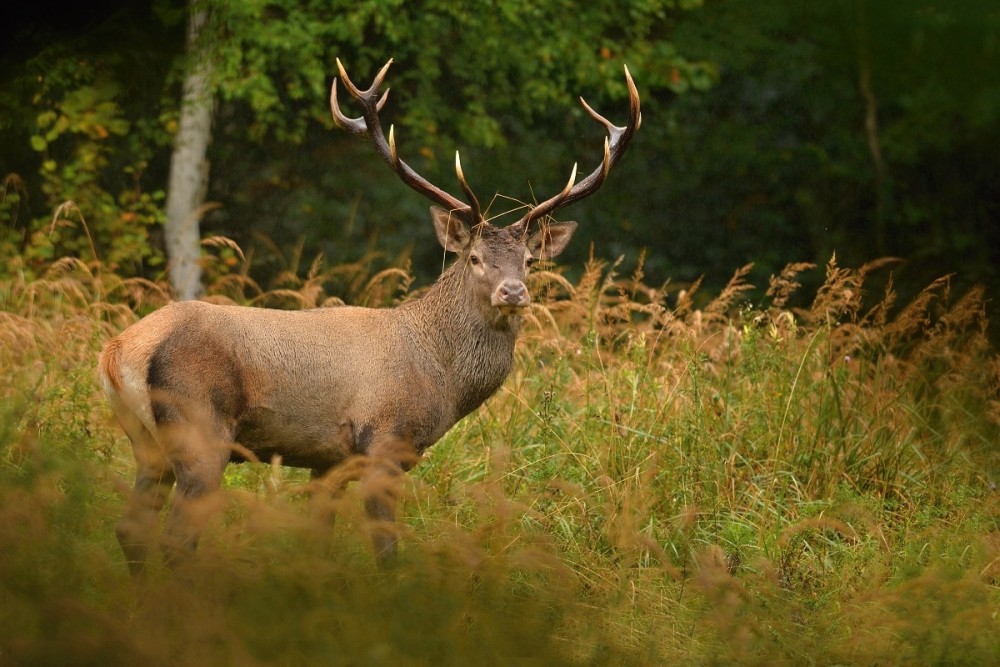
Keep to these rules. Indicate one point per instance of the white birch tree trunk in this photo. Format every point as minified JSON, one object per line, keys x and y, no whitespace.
{"x":189,"y":169}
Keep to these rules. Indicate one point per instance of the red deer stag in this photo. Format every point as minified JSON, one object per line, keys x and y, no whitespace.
{"x":196,"y":385}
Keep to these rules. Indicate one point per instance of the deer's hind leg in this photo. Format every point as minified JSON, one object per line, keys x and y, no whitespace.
{"x":199,"y":450}
{"x":196,"y":415}
{"x":154,"y":478}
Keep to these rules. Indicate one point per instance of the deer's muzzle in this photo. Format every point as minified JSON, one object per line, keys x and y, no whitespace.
{"x":511,"y":294}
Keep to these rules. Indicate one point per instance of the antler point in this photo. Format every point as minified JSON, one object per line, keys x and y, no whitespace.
{"x":392,"y":145}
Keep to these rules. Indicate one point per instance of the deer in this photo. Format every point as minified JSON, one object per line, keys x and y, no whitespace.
{"x":196,"y":385}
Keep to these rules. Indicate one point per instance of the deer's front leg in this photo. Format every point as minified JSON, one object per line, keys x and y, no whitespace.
{"x":388,"y":459}
{"x":328,"y":481}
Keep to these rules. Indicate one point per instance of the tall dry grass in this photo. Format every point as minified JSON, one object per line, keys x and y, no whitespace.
{"x":666,"y":476}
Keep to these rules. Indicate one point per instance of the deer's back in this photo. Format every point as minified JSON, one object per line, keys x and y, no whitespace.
{"x":313,"y":386}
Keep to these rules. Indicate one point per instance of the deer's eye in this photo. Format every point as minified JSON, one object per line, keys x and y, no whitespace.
{"x":530,"y":262}
{"x":474,"y":260}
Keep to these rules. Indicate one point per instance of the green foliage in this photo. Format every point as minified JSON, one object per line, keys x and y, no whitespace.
{"x":85,"y":153}
{"x":458,"y":71}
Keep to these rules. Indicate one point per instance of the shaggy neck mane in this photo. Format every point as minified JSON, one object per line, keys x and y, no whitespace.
{"x":475,"y":343}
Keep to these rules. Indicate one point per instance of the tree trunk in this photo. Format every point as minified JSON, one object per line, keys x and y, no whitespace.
{"x":871,"y":127}
{"x":189,"y":169}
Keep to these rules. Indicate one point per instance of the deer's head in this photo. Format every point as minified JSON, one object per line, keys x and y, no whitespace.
{"x":495,"y":259}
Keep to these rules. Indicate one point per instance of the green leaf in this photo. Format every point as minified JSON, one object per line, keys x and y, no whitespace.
{"x":45,"y":118}
{"x":38,"y":143}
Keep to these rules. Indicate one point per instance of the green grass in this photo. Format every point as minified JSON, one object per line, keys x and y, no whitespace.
{"x":661,"y":480}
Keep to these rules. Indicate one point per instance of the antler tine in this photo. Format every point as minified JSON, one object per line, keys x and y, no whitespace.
{"x":548,"y":205}
{"x":368,"y":124}
{"x":467,"y":189}
{"x":363,"y":95}
{"x":393,"y":155}
{"x":615,"y":143}
{"x":352,"y":125}
{"x":357,"y":125}
{"x":635,"y":114}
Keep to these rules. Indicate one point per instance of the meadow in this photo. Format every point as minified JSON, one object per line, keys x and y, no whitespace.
{"x":780,"y":476}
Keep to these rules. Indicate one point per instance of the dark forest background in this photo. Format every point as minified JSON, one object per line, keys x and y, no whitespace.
{"x":773,"y":132}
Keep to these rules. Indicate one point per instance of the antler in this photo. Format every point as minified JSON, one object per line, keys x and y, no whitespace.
{"x":368,"y":124}
{"x":614,"y":147}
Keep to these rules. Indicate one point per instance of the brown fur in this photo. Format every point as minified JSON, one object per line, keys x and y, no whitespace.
{"x":109,"y":364}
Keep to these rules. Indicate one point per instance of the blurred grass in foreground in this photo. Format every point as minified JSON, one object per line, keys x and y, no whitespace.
{"x":664,"y":478}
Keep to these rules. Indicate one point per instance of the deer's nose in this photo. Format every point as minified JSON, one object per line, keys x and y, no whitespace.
{"x":511,"y":293}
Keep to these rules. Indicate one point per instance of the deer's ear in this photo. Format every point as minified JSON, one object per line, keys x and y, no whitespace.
{"x":551,"y":239}
{"x":452,"y":230}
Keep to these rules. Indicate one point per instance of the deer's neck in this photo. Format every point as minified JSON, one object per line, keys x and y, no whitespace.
{"x":473,"y":344}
